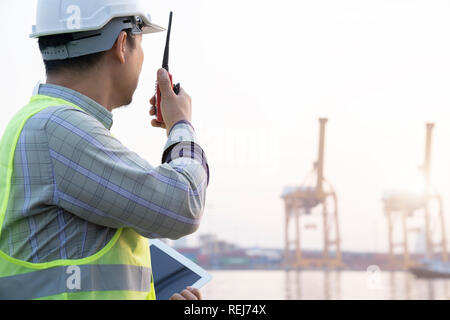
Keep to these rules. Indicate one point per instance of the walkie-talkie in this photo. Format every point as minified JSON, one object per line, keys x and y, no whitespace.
{"x":165,"y":65}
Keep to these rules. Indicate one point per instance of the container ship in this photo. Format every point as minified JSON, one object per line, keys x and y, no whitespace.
{"x":431,"y":269}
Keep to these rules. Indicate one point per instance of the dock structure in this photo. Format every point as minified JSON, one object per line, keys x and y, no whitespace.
{"x":300,"y":201}
{"x":403,"y":206}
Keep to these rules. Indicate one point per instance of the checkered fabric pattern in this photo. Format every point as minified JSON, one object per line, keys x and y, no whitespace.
{"x":74,"y":184}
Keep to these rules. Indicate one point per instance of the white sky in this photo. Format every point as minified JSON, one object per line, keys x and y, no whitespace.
{"x":260,"y":74}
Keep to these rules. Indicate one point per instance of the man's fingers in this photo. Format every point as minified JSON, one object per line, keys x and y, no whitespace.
{"x":164,"y":83}
{"x":188,"y":295}
{"x":177,"y":296}
{"x":157,"y":124}
{"x":153,"y":111}
{"x":153,"y":101}
{"x":196,"y":292}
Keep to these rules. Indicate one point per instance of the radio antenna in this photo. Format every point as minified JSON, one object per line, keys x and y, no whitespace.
{"x":165,"y":64}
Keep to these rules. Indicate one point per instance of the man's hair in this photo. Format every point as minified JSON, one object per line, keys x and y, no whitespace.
{"x":77,"y":64}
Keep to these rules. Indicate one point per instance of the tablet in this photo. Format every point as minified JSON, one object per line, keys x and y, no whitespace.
{"x":173,"y":272}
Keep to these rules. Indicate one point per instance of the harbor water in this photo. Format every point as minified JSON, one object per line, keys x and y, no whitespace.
{"x":322,"y":285}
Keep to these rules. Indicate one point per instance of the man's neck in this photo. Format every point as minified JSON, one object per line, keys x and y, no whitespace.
{"x":99,"y":91}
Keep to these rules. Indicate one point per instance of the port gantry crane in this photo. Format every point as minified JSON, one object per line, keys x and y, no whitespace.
{"x":401,"y":206}
{"x":300,"y":201}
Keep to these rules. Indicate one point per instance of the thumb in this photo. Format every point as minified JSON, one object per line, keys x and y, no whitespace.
{"x":164,"y":83}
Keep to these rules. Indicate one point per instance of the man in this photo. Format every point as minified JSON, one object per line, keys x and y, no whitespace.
{"x":76,"y":206}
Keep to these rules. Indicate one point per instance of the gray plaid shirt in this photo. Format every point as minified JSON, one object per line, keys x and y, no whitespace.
{"x":74,"y":184}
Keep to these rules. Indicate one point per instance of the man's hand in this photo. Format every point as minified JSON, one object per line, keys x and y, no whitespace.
{"x":188,"y":294}
{"x":174,"y":107}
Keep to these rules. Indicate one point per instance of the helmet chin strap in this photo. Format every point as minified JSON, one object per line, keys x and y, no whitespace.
{"x":90,"y":42}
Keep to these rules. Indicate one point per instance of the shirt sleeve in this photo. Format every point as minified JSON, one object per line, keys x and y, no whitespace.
{"x":100,"y":180}
{"x":183,"y":144}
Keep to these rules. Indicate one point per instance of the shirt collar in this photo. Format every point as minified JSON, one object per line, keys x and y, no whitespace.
{"x":90,"y":106}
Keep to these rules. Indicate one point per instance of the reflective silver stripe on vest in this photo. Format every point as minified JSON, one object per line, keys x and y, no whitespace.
{"x":48,"y":282}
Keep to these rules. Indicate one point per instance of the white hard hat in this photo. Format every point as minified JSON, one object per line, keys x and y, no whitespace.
{"x":83,"y":18}
{"x":69,"y":16}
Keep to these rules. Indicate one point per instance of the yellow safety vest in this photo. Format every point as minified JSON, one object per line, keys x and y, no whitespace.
{"x":121,"y":270}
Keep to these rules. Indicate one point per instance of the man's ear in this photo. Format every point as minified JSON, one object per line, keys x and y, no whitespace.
{"x":120,"y":47}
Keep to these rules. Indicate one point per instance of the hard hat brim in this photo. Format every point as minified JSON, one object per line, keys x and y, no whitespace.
{"x":152,"y":29}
